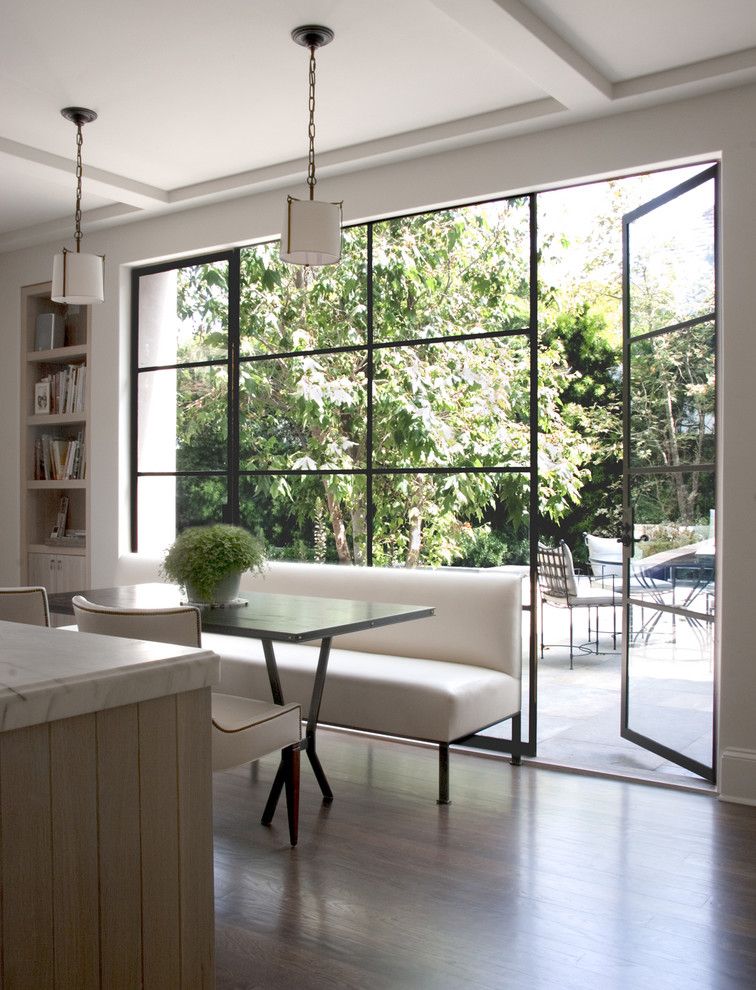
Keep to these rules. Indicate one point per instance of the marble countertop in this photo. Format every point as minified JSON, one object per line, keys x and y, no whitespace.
{"x":48,"y":674}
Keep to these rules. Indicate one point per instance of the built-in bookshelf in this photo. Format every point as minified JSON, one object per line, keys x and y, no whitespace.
{"x":55,"y":389}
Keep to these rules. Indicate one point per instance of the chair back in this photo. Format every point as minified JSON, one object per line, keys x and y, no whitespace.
{"x":180,"y":625}
{"x":604,"y":556}
{"x":556,"y":573}
{"x":25,"y":605}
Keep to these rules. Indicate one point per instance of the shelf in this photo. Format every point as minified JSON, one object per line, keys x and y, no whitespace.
{"x":59,"y":355}
{"x":56,"y":419}
{"x":59,"y":565}
{"x":50,"y":485}
{"x":58,"y":548}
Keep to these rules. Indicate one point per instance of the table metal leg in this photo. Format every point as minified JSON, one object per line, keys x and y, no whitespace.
{"x":313,"y":712}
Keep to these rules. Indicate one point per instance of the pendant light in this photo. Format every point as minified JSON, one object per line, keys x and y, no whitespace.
{"x":77,"y":278}
{"x":311,"y":233}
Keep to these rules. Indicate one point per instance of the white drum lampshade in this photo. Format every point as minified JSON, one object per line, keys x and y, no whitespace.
{"x":77,"y":279}
{"x":311,"y":232}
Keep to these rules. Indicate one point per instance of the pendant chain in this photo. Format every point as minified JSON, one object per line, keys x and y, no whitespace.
{"x":311,"y":180}
{"x":77,"y":216}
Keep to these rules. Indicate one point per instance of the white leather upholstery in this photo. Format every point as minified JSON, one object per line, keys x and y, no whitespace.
{"x":245,"y":730}
{"x":419,"y":699}
{"x":438,"y":678}
{"x":28,"y":604}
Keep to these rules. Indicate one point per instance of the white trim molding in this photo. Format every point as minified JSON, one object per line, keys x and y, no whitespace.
{"x":737,"y":777}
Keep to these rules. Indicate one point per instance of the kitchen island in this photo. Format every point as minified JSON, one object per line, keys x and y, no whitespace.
{"x":105,"y":811}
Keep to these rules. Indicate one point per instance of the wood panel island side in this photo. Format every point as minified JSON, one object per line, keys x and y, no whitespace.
{"x":106,"y":871}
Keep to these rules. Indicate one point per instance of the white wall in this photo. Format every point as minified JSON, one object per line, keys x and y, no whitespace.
{"x":720,"y":125}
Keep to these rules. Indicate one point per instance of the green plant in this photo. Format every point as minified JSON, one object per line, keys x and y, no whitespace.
{"x":202,"y":556}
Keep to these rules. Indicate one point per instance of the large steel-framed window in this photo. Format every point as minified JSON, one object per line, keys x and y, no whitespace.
{"x":331,"y":413}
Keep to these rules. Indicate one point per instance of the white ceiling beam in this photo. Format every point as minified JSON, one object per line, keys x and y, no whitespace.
{"x":60,"y":230}
{"x":396,"y":147}
{"x":107,"y":185}
{"x":535,"y":49}
{"x":734,"y":69}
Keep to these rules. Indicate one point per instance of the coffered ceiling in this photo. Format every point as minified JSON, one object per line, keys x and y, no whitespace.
{"x":208,"y":100}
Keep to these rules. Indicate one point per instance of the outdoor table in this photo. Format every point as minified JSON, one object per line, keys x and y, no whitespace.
{"x":269,"y":618}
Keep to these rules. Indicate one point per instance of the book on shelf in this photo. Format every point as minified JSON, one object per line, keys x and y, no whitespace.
{"x":67,"y":389}
{"x":59,"y":529}
{"x":59,"y":458}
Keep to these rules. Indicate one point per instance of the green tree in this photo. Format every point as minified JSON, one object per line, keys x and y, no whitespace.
{"x":440,"y":404}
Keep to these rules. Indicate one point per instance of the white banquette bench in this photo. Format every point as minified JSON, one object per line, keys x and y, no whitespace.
{"x":437,"y":679}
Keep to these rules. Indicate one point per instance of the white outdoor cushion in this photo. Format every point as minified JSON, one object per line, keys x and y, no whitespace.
{"x":604,"y":555}
{"x":569,"y":569}
{"x":245,"y":730}
{"x":420,"y":699}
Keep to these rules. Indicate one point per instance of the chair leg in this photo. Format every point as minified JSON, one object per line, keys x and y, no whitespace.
{"x":291,"y":763}
{"x":516,"y":740}
{"x":275,"y":793}
{"x":443,"y":774}
{"x":542,"y":629}
{"x":570,"y":639}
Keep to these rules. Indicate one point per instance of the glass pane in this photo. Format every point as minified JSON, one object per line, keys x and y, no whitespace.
{"x":672,"y":261}
{"x":672,"y":398}
{"x":289,"y":308}
{"x":182,"y":419}
{"x":670,"y":681}
{"x":459,"y":404}
{"x":464,"y":270}
{"x":167,"y":505}
{"x":306,"y":517}
{"x":675,"y":564}
{"x":303,"y":413}
{"x":435,"y":519}
{"x":183,"y":315}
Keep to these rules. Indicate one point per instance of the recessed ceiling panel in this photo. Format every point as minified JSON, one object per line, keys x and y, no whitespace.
{"x":191,"y":92}
{"x":624,"y":40}
{"x":35,"y":200}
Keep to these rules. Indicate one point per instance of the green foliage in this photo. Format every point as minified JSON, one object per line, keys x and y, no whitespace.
{"x":447,"y":404}
{"x":479,"y":547}
{"x":202,"y":556}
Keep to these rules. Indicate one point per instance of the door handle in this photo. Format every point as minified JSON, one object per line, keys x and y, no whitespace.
{"x":627,"y":539}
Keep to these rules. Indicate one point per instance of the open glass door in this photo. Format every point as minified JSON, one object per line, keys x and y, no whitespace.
{"x":669,"y":598}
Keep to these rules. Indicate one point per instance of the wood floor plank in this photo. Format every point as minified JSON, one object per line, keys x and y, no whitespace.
{"x":530,"y":877}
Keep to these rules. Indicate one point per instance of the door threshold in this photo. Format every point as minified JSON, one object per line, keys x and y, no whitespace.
{"x":692,"y":786}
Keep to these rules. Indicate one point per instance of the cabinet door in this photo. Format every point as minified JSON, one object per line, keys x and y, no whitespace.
{"x":70,"y":573}
{"x":41,"y":570}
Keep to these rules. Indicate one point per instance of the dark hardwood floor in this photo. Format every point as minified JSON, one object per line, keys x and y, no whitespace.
{"x":530,"y":878}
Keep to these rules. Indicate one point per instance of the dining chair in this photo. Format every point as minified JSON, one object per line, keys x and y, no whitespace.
{"x":243,"y":729}
{"x":558,"y":585}
{"x":27,"y":605}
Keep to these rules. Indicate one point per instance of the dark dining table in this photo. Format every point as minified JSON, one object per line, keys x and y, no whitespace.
{"x":270,"y":618}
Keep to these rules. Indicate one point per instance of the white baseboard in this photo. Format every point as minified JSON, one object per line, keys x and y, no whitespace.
{"x":737,"y":778}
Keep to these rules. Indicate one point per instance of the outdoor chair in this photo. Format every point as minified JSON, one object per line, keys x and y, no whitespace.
{"x":243,"y":730}
{"x":558,"y":585}
{"x":645,"y":574}
{"x":27,"y":605}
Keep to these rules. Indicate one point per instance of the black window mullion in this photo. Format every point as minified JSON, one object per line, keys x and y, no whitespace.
{"x":231,"y":514}
{"x":134,"y":418}
{"x":369,"y":509}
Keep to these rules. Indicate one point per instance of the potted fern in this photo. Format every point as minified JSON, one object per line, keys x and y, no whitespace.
{"x":210,"y":560}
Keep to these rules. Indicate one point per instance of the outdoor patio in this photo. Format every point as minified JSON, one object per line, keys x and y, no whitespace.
{"x":579,"y":709}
